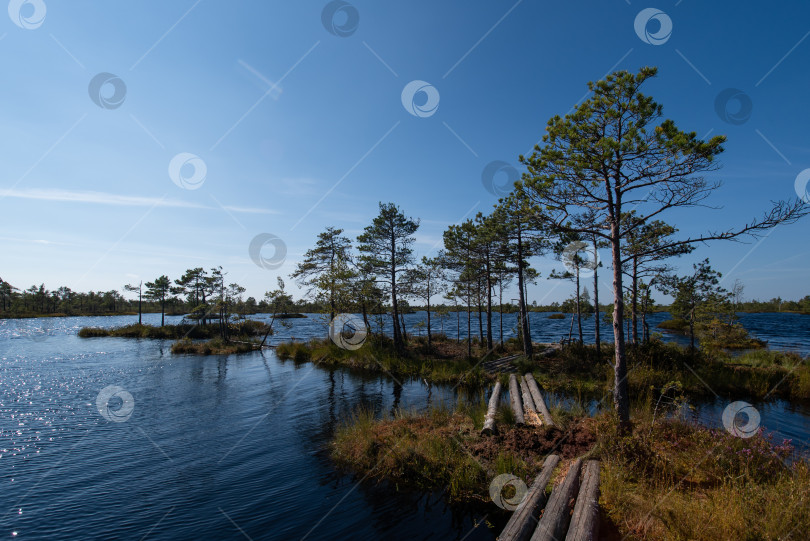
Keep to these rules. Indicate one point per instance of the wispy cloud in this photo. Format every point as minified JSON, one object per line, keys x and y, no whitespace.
{"x":42,"y":242}
{"x":299,"y":186}
{"x":250,"y":210}
{"x":100,"y":198}
{"x":103,"y":198}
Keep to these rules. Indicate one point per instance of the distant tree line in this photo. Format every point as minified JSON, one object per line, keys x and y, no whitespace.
{"x":197,"y":292}
{"x":775,"y":305}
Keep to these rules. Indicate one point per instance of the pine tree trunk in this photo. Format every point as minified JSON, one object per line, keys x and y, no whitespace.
{"x":621,"y":399}
{"x":430,"y":343}
{"x":489,"y":305}
{"x":480,"y":321}
{"x":365,"y":315}
{"x":527,"y":341}
{"x":398,"y":345}
{"x":458,"y":325}
{"x":692,"y":330}
{"x":579,"y":310}
{"x":645,"y":328}
{"x":528,"y":319}
{"x":404,"y":330}
{"x":598,"y":337}
{"x":469,"y":325}
{"x":635,"y":300}
{"x":500,"y":308}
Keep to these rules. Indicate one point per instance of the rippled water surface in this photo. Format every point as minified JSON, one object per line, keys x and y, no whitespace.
{"x":224,"y":445}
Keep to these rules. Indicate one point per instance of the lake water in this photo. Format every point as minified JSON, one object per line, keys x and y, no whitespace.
{"x":221,"y":447}
{"x":787,"y":332}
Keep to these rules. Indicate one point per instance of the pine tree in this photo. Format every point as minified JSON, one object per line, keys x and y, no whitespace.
{"x":615,"y":152}
{"x":386,"y":248}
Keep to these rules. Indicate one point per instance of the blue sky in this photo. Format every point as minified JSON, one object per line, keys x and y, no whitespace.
{"x":300,"y":128}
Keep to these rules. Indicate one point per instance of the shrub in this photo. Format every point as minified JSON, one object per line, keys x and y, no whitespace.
{"x":93,"y":332}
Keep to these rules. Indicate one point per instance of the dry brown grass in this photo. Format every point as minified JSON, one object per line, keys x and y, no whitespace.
{"x":671,"y":480}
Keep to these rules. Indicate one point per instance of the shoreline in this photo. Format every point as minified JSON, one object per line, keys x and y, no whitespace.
{"x":5,"y":315}
{"x":580,"y":370}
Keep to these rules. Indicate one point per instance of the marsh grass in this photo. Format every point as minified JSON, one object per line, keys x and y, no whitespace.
{"x":674,"y":480}
{"x":578,"y":370}
{"x":505,"y":416}
{"x":566,"y":413}
{"x":246,"y":327}
{"x":674,"y":324}
{"x":441,"y":449}
{"x":422,"y":451}
{"x":379,"y":355}
{"x":476,"y":411}
{"x":581,"y":371}
{"x":667,"y":479}
{"x":215,"y":346}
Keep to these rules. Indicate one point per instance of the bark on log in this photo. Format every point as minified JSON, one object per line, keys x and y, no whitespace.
{"x":489,"y":420}
{"x":585,"y":520}
{"x":529,"y":409}
{"x":528,"y":403}
{"x":554,"y":522}
{"x":537,"y":396}
{"x":524,"y":520}
{"x":514,"y":398}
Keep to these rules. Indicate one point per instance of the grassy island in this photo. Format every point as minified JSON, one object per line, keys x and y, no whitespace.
{"x":239,"y":336}
{"x":715,"y":334}
{"x":215,"y":346}
{"x":446,"y":361}
{"x":182,"y":330}
{"x":665,"y":479}
{"x":579,"y":370}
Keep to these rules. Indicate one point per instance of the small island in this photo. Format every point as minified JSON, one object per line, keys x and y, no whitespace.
{"x":193,"y":338}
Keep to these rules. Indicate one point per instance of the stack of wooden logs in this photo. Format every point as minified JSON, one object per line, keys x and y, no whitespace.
{"x":528,"y":405}
{"x":571,"y":512}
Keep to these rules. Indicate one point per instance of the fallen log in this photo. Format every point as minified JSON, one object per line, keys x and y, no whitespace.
{"x":528,"y":403}
{"x":585,"y":520}
{"x":537,"y":396}
{"x":514,"y":398}
{"x":554,"y":522}
{"x":524,"y":520}
{"x":489,"y":420}
{"x":529,"y":410}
